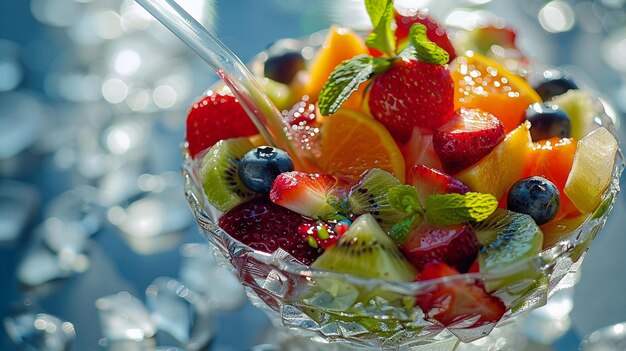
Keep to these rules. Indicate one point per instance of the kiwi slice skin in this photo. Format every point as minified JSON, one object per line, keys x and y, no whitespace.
{"x":508,"y":238}
{"x":365,"y":251}
{"x":371,"y":195}
{"x":219,"y":175}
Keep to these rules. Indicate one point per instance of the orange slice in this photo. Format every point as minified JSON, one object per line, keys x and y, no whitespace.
{"x":480,"y":82}
{"x":340,"y":44}
{"x":353,"y":143}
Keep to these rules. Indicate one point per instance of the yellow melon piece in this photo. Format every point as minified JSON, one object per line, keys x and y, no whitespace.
{"x":505,"y":165}
{"x":591,"y":170}
{"x":340,"y":44}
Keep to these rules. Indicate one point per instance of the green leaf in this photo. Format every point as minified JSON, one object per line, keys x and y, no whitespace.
{"x":426,"y":50}
{"x":449,"y":209}
{"x":382,"y":38}
{"x":376,"y":10}
{"x":404,"y":198}
{"x":346,"y":79}
{"x":401,"y":230}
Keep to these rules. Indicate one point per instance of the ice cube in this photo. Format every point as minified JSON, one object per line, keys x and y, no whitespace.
{"x":18,"y":203}
{"x":21,"y":117}
{"x":180,"y":312}
{"x":200,"y":272}
{"x":124,"y":317}
{"x":80,"y":207}
{"x":39,"y":332}
{"x":156,"y":221}
{"x":40,"y":265}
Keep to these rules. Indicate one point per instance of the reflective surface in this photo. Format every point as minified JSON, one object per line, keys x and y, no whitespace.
{"x":93,"y":96}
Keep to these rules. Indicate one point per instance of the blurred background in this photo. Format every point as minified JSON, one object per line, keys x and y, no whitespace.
{"x":98,"y":250}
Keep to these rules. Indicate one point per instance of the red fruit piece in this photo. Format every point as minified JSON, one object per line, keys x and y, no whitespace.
{"x":309,"y":194}
{"x":419,"y":150}
{"x":434,"y":31}
{"x":454,"y":302}
{"x":321,"y":234}
{"x":468,"y":137}
{"x":455,"y":245}
{"x":429,"y":181}
{"x":265,"y":226}
{"x":214,"y":118}
{"x":412,"y":94}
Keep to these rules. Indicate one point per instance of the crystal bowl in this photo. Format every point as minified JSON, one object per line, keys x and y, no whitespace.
{"x":331,"y":307}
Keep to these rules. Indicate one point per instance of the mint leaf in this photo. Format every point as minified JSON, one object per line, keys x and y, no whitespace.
{"x":426,"y":50}
{"x":382,"y":38}
{"x":449,"y":209}
{"x":404,"y":198}
{"x":346,"y":79}
{"x":401,"y":230}
{"x":376,"y":10}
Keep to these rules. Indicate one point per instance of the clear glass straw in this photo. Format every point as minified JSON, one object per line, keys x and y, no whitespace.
{"x":232,"y":71}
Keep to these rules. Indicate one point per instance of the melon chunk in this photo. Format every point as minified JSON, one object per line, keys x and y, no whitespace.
{"x":591,"y":170}
{"x":503,"y":166}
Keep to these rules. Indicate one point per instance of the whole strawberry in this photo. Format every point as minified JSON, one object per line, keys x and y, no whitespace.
{"x":411,"y":88}
{"x":412,"y":94}
{"x":265,"y":226}
{"x":216,"y":117}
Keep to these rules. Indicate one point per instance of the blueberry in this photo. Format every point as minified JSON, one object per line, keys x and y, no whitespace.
{"x":536,"y":197}
{"x":548,"y":121}
{"x":283,"y":65}
{"x":554,"y":83}
{"x":260,"y":166}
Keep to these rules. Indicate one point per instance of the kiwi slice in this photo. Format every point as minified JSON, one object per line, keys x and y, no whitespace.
{"x":508,"y":238}
{"x":371,"y":195}
{"x":218,"y":172}
{"x":366,"y":251}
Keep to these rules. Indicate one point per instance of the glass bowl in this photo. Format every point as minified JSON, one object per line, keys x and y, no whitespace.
{"x":331,"y":307}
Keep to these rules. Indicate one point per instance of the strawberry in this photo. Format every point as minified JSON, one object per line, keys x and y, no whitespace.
{"x":412,"y":94}
{"x":429,"y":181}
{"x":457,"y":302}
{"x":309,"y":194}
{"x":265,"y":226}
{"x":468,"y":137}
{"x":214,"y":118}
{"x":455,"y":245}
{"x":434,"y":31}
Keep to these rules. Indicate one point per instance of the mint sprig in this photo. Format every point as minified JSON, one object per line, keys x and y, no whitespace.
{"x":345,"y":79}
{"x":449,"y":209}
{"x":426,"y":50}
{"x":439,"y":209}
{"x":382,"y":38}
{"x":349,"y":75}
{"x":405,"y":198}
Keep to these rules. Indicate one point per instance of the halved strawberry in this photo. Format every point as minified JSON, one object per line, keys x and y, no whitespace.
{"x":429,"y":181}
{"x":265,"y":226}
{"x":310,"y":194}
{"x":412,"y":94}
{"x":435,"y":32}
{"x":455,"y":245}
{"x":458,"y":302}
{"x":468,"y":137}
{"x":216,"y":117}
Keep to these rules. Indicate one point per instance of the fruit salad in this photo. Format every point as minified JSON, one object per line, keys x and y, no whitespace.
{"x":440,"y":169}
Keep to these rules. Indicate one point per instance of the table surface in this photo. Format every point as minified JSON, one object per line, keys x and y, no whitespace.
{"x":115,"y":266}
